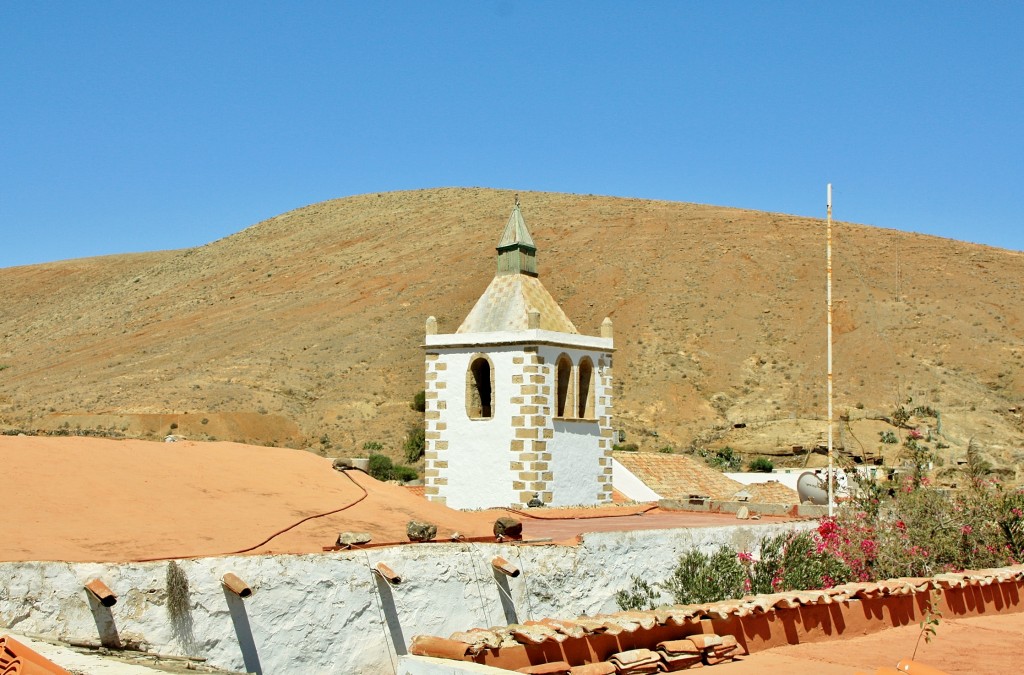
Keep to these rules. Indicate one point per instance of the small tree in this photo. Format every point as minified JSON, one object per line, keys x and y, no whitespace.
{"x":415,"y":443}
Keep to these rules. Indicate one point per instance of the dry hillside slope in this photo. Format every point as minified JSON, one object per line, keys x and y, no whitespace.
{"x":308,"y":326}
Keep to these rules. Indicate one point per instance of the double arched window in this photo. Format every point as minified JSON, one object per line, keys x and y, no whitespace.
{"x":574,"y":388}
{"x":563,"y":382}
{"x":585,"y":396}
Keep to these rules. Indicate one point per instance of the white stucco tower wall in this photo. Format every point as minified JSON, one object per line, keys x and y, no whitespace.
{"x":518,"y":403}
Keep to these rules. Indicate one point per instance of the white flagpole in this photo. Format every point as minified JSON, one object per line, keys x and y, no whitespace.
{"x":828,"y":265}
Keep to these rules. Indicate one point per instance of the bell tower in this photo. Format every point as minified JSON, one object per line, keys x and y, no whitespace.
{"x":518,"y":403}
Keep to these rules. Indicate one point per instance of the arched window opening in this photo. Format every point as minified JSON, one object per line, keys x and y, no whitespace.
{"x":563,"y":380}
{"x":584,"y":396}
{"x":480,"y":389}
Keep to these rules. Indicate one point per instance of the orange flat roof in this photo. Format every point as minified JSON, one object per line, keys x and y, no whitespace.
{"x":103,"y":500}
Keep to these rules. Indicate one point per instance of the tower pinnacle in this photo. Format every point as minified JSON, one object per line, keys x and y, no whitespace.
{"x":517,"y":254}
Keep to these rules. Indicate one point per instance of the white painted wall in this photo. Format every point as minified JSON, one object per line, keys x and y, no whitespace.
{"x":328,"y":613}
{"x":576,"y":463}
{"x":478,"y":454}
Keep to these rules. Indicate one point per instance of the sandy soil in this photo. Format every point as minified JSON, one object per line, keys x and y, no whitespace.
{"x":88,"y":499}
{"x":305,"y":330}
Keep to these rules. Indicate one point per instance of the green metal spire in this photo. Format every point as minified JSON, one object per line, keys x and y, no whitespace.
{"x":517,"y":254}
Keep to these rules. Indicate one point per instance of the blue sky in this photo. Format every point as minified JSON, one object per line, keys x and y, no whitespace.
{"x":135,"y":126}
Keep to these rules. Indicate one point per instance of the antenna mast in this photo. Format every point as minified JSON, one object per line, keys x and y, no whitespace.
{"x":828,"y":286}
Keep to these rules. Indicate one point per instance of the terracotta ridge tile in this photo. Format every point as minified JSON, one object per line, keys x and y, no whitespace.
{"x":437,"y":647}
{"x":550,"y":668}
{"x":536,"y":634}
{"x":478,"y":639}
{"x":540,"y":631}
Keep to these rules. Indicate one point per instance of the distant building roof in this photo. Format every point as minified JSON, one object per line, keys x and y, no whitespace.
{"x":678,"y":477}
{"x":772,"y":492}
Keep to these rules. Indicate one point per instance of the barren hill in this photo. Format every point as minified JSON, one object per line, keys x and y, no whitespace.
{"x":307,"y":327}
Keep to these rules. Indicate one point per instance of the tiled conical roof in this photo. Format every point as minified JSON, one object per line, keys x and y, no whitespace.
{"x":507,"y":302}
{"x":515,"y":290}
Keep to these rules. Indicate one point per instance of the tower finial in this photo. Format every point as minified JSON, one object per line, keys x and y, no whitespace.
{"x":517,"y":254}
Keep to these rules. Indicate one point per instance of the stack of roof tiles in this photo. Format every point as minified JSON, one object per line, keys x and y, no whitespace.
{"x":676,"y":654}
{"x":636,"y":662}
{"x":696,"y":650}
{"x":17,"y":659}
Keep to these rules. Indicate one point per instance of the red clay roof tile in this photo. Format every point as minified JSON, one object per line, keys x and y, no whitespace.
{"x":428,"y":645}
{"x":17,"y":658}
{"x":772,"y":492}
{"x":678,"y":476}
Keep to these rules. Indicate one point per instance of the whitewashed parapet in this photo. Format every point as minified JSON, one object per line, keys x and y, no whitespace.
{"x":329,"y":612}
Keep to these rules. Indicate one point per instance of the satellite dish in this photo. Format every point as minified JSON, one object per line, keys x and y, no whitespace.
{"x":812,"y":488}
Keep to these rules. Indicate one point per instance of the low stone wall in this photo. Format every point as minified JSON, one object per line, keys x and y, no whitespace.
{"x":720,"y":506}
{"x":329,"y":612}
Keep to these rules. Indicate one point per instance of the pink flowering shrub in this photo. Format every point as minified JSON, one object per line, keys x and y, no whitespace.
{"x":913,"y":530}
{"x":922,"y":530}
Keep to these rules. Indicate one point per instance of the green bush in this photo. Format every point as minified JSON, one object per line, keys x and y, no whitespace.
{"x":702,"y":578}
{"x":404,"y":473}
{"x":415,"y":443}
{"x":372,"y":446}
{"x":381,"y":467}
{"x":628,"y":447}
{"x":724,"y":459}
{"x":761,"y":465}
{"x":640,"y":596}
{"x":419,"y":401}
